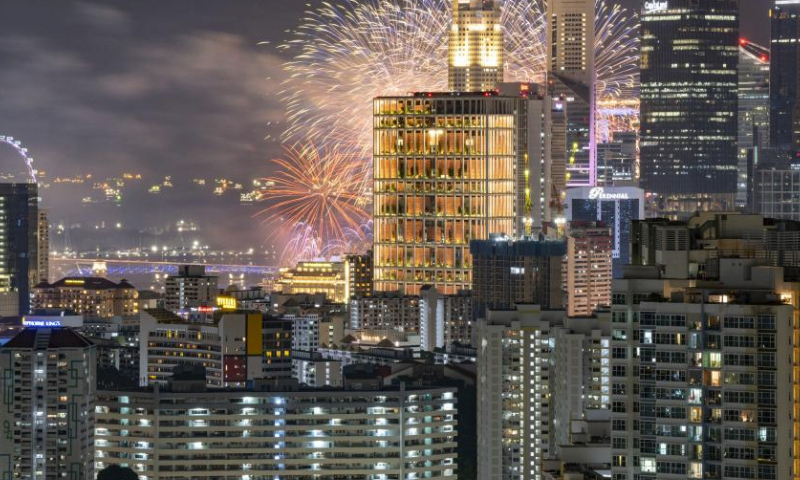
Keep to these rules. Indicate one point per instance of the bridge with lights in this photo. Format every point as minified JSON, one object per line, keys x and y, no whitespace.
{"x":125,"y":268}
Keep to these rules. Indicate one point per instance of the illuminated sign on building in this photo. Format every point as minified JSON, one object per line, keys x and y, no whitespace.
{"x":655,"y":6}
{"x":52,"y":321}
{"x":226,"y":303}
{"x":599,"y":193}
{"x":41,"y":323}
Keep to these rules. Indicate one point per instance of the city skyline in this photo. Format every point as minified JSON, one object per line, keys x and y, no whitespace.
{"x":400,"y":239}
{"x":132,"y":96}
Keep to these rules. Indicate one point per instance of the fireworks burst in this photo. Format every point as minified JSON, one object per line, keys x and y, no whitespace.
{"x":346,"y":54}
{"x":314,"y":188}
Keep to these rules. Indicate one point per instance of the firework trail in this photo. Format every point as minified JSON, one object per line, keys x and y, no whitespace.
{"x":302,"y":245}
{"x":355,"y":240}
{"x":315,"y":188}
{"x":346,"y":54}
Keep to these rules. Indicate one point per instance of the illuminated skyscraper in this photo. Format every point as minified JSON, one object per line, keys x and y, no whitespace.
{"x":784,"y":74}
{"x":476,"y":46}
{"x":19,"y":245}
{"x":571,"y":76}
{"x":689,"y":101}
{"x":446,"y":170}
{"x":570,"y":36}
{"x":753,"y":108}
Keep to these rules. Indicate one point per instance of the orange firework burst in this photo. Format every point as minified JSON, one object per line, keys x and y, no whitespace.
{"x":317,"y":188}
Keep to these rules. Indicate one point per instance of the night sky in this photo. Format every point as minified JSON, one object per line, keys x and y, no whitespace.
{"x":159,"y":87}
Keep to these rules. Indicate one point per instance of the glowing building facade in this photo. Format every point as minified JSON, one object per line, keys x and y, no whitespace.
{"x":689,"y":100}
{"x":90,"y":296}
{"x":476,"y":46}
{"x":329,"y":278}
{"x":446,"y":169}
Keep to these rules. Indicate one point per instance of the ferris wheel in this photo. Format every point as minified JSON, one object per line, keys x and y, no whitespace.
{"x":23,"y":152}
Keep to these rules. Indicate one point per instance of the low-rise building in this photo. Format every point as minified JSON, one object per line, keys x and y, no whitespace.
{"x":385,"y":310}
{"x":233,"y":347}
{"x":89,"y":296}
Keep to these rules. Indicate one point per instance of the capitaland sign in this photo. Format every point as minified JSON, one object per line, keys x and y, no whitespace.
{"x":599,"y":193}
{"x":655,"y":6}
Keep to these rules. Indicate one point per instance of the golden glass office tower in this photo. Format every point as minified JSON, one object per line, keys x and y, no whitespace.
{"x":445,"y":167}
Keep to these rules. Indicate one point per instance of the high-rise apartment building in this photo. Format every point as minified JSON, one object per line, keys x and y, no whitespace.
{"x":48,"y":376}
{"x":689,"y":111}
{"x":476,"y":46}
{"x":754,"y":71}
{"x":89,"y":296}
{"x":784,"y":75}
{"x":580,"y":381}
{"x":43,"y":250}
{"x":704,"y":333}
{"x":587,"y":267}
{"x":507,"y":272}
{"x":571,"y":77}
{"x":513,"y":393}
{"x":19,"y":246}
{"x":190,"y":289}
{"x":392,"y":434}
{"x":543,"y":386}
{"x":446,"y":171}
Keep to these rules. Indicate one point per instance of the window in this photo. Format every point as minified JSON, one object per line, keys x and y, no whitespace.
{"x":739,"y":322}
{"x":766,"y":322}
{"x":648,"y":465}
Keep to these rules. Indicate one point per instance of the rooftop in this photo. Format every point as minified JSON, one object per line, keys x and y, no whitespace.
{"x":47,"y":338}
{"x":87,"y":283}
